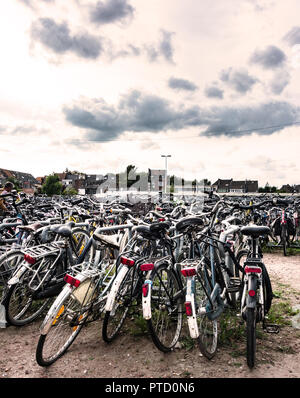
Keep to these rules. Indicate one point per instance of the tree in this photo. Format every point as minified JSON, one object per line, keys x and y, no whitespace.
{"x":70,"y":191}
{"x":52,"y":186}
{"x":16,"y":183}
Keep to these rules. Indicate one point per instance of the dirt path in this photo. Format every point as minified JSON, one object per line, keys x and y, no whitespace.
{"x":133,"y":356}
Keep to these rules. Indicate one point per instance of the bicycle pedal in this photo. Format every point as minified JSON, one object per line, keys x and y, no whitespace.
{"x":271,"y":328}
{"x":234,"y":285}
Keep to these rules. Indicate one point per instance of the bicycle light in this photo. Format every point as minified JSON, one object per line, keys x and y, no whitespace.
{"x":29,"y":259}
{"x":252,"y":269}
{"x":188,"y":308}
{"x":188,"y":272}
{"x":71,"y":280}
{"x":146,"y":267}
{"x":127,"y":261}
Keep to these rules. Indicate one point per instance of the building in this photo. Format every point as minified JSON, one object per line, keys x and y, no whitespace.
{"x":26,"y":181}
{"x":245,"y":186}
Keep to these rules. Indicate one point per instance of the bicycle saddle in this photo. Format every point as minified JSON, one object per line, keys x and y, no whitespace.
{"x":189,"y":221}
{"x":144,"y":230}
{"x":158,"y":227}
{"x":255,"y":231}
{"x":63,"y":230}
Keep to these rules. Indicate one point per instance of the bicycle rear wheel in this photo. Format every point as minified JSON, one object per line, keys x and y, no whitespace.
{"x":251,"y":336}
{"x":208,"y":328}
{"x":165,"y":323}
{"x":66,"y":326}
{"x":114,"y":320}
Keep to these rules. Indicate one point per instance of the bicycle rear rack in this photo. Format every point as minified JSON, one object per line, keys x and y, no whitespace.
{"x":43,"y":250}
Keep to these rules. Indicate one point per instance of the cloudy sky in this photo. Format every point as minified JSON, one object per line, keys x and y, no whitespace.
{"x":97,"y":85}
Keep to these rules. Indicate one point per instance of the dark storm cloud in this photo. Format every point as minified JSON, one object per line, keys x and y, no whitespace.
{"x":59,"y":39}
{"x":239,"y":80}
{"x":293,"y":36}
{"x":269,"y":58}
{"x":111,"y":11}
{"x":213,"y":92}
{"x":181,"y":84}
{"x":138,"y":112}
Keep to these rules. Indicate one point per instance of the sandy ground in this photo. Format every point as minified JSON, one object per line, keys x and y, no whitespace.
{"x":131,"y":356}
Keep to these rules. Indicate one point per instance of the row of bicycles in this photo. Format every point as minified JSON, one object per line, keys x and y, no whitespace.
{"x":71,"y":262}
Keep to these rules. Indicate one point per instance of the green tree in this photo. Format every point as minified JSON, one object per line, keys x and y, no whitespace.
{"x":16,"y":183}
{"x":52,"y":186}
{"x":70,"y":191}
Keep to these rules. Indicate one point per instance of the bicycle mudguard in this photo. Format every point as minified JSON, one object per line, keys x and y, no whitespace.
{"x":252,"y":286}
{"x":190,"y":298}
{"x":54,"y":309}
{"x":146,"y":299}
{"x":17,"y":275}
{"x":115,"y":287}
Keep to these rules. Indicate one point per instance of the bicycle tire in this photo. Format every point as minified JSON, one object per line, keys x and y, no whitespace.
{"x":208,"y":328}
{"x":8,"y":262}
{"x":284,"y":240}
{"x":66,"y":326}
{"x":165,"y":285}
{"x":251,"y":336}
{"x":114,"y":320}
{"x":21,"y":307}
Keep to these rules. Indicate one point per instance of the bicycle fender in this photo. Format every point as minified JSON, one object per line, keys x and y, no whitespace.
{"x":192,"y":320}
{"x":54,"y":309}
{"x":146,"y":300}
{"x":252,"y":285}
{"x":16,"y":278}
{"x":114,"y":288}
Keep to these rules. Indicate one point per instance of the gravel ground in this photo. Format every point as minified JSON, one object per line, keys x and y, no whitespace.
{"x":133,"y":356}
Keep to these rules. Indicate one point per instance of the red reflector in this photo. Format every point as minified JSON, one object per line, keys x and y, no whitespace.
{"x":72,"y":281}
{"x":188,"y":308}
{"x":127,"y":261}
{"x":252,"y":269}
{"x":145,"y":289}
{"x":161,"y":219}
{"x":251,"y":293}
{"x":159,"y":208}
{"x":146,"y":267}
{"x":29,"y":259}
{"x":188,"y":272}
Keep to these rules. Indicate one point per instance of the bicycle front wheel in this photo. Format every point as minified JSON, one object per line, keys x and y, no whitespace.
{"x":64,"y":329}
{"x":165,"y":323}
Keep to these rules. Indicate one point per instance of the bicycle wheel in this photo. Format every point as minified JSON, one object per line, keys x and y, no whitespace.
{"x":208,"y":328}
{"x":165,"y":323}
{"x":66,"y":326}
{"x":284,"y":239}
{"x":80,"y":238}
{"x":21,"y":303}
{"x":251,"y":336}
{"x":114,"y":320}
{"x":8,"y":262}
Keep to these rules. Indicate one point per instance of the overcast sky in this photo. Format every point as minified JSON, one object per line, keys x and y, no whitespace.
{"x":97,"y":85}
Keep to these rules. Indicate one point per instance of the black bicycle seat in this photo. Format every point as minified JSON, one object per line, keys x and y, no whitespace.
{"x":187,"y":222}
{"x":255,"y":231}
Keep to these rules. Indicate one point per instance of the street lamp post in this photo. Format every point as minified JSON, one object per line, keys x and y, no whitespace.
{"x":166,"y":168}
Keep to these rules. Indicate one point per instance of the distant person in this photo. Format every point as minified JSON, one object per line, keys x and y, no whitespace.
{"x":8,"y":187}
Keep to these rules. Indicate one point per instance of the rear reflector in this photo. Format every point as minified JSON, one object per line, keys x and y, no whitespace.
{"x":251,"y":293}
{"x":188,"y":308}
{"x":248,"y":270}
{"x":127,"y":261}
{"x":161,"y":219}
{"x":29,"y":259}
{"x":146,"y":267}
{"x":145,"y":289}
{"x":188,"y":272}
{"x":71,"y":281}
